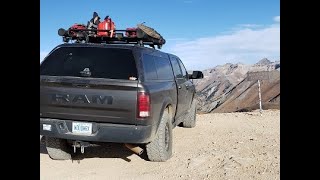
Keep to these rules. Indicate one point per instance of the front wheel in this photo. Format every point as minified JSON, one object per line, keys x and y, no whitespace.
{"x":160,"y":149}
{"x":190,"y":119}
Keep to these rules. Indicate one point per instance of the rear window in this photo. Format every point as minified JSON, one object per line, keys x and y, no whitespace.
{"x":150,"y":72}
{"x":164,"y":69}
{"x":156,"y":68}
{"x":90,"y":62}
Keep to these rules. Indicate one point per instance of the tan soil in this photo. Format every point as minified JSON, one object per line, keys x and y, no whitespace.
{"x":221,"y":146}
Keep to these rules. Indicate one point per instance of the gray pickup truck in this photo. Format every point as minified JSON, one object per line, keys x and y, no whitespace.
{"x":134,"y":95}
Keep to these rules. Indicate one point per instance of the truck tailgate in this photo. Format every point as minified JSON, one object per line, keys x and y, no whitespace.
{"x":83,"y":99}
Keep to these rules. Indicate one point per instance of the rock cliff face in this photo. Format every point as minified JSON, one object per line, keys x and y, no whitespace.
{"x":234,"y":87}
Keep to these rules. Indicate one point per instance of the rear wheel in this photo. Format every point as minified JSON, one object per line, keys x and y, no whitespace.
{"x":190,"y":119}
{"x":160,"y":149}
{"x":58,"y":149}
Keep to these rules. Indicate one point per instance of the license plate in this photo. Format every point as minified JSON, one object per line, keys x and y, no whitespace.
{"x":82,"y":128}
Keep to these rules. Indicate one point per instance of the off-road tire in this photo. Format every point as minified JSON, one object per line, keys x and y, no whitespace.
{"x":160,"y":149}
{"x":58,"y":149}
{"x":190,"y":119}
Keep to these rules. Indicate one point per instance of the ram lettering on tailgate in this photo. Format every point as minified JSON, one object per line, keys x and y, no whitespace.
{"x":81,"y":98}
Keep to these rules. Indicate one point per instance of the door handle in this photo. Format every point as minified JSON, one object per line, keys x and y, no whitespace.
{"x":81,"y":85}
{"x":179,"y":87}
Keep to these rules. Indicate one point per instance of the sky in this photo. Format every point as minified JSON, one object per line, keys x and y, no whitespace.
{"x":203,"y":33}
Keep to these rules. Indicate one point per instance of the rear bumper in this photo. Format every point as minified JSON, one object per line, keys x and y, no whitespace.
{"x":101,"y":132}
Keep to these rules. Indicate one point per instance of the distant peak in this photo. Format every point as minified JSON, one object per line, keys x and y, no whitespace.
{"x":264,"y":61}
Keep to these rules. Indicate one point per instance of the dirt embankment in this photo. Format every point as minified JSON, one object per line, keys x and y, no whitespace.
{"x":221,"y":146}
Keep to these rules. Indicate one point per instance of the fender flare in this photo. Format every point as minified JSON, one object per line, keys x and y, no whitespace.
{"x":166,"y":103}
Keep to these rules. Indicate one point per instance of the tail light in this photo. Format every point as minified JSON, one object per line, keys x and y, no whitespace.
{"x":143,"y":105}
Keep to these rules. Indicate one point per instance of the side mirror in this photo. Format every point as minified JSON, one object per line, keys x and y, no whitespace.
{"x":196,"y":75}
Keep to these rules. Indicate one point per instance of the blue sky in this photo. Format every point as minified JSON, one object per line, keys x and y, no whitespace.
{"x":203,"y":33}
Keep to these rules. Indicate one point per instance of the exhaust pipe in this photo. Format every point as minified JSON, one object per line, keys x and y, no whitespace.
{"x":134,"y":148}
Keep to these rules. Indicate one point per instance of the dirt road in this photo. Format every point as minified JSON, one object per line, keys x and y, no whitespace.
{"x":221,"y":146}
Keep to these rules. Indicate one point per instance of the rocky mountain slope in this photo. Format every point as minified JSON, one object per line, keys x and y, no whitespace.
{"x":234,"y":87}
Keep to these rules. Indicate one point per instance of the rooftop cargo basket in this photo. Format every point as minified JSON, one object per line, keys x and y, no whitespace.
{"x":142,"y":35}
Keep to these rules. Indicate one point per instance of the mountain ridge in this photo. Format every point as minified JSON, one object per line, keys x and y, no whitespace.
{"x":227,"y":88}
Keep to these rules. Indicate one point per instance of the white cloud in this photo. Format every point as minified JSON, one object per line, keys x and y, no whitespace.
{"x":246,"y":45}
{"x":43,"y":54}
{"x":277,"y":19}
{"x":250,"y":25}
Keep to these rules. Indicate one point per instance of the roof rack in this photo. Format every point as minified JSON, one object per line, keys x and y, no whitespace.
{"x":141,"y":37}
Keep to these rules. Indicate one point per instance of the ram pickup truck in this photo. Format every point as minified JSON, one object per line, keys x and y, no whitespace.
{"x":91,"y":93}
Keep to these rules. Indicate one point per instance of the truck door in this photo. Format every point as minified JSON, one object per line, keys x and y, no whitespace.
{"x":182,"y":87}
{"x":188,"y":84}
